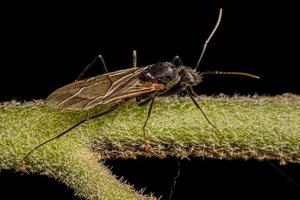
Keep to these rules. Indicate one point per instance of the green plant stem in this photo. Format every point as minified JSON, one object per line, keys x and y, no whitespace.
{"x":252,"y":128}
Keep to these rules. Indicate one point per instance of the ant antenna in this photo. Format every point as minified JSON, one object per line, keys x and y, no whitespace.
{"x":209,"y":38}
{"x":230,"y":73}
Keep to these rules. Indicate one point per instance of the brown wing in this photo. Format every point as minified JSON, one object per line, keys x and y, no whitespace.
{"x":102,"y":89}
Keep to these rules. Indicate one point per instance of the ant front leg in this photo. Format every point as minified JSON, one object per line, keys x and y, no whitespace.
{"x":99,"y":57}
{"x":193,"y":93}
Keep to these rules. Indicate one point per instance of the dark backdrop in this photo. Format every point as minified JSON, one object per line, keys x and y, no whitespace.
{"x":47,"y":46}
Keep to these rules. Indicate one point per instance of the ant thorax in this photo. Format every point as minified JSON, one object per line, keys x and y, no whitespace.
{"x":162,"y":73}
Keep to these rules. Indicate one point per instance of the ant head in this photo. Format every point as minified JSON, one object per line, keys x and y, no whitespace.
{"x":189,"y":76}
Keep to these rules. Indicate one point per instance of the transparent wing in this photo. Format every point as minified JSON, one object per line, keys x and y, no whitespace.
{"x":102,"y":89}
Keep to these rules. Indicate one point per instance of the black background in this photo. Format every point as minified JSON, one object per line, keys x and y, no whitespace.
{"x":47,"y":46}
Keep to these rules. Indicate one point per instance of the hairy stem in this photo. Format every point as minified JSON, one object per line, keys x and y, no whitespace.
{"x":252,"y":127}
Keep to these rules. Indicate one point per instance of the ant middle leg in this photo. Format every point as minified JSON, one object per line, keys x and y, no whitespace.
{"x":134,"y":58}
{"x":99,"y":57}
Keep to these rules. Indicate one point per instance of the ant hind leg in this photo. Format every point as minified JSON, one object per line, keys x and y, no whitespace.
{"x":99,"y":57}
{"x":134,"y":58}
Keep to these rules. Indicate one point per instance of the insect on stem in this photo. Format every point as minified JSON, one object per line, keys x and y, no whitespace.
{"x":142,"y":83}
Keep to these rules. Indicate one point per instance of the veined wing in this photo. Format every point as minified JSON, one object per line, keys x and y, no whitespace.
{"x":102,"y":89}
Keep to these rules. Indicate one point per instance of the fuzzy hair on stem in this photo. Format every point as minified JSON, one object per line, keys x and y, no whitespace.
{"x":256,"y":127}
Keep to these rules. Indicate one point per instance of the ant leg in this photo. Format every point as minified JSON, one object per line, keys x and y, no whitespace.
{"x":177,"y":61}
{"x":114,"y":107}
{"x":143,"y":100}
{"x":219,"y":133}
{"x":79,"y":77}
{"x":134,"y":58}
{"x":146,"y":140}
{"x":103,"y":63}
{"x":193,"y":92}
